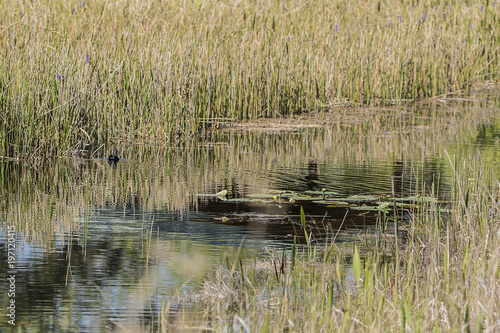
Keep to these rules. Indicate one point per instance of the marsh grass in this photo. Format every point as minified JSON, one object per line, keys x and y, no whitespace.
{"x":138,"y":71}
{"x":45,"y":199}
{"x":441,"y":275}
{"x":436,"y":276}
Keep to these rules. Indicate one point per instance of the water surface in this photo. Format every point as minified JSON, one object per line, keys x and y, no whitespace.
{"x":103,"y":247}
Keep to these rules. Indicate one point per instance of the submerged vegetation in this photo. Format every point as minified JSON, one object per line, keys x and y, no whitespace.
{"x":97,"y":72}
{"x":441,"y":274}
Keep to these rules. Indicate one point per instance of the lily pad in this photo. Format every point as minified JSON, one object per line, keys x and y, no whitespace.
{"x":405,"y":205}
{"x":340,"y":204}
{"x":249,"y":200}
{"x":261,"y":196}
{"x":383,"y":205}
{"x":398,"y":204}
{"x":333,"y":203}
{"x":303,"y":198}
{"x":221,"y":193}
{"x":284,"y":195}
{"x":361,"y":198}
{"x":320,"y":192}
{"x":414,"y":198}
{"x":372,"y":208}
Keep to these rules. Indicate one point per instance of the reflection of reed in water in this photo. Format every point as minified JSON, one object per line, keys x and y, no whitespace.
{"x":244,"y":162}
{"x":312,"y":175}
{"x":398,"y":178}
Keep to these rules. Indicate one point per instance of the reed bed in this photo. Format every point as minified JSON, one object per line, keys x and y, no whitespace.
{"x":46,"y":198}
{"x":81,"y":72}
{"x":442,"y":274}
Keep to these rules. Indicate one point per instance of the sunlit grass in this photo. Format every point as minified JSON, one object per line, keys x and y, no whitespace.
{"x":74,"y":73}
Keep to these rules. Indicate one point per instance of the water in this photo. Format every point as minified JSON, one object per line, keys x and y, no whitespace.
{"x":103,"y":247}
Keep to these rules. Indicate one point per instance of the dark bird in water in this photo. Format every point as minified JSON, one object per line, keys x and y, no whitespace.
{"x":114,"y":157}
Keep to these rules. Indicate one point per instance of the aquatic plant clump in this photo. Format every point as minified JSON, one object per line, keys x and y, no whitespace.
{"x":142,"y":70}
{"x":441,"y":274}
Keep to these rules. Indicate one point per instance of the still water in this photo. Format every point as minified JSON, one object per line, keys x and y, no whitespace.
{"x":102,"y":247}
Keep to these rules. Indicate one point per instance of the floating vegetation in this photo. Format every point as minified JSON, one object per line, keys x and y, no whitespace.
{"x":250,"y":200}
{"x":354,"y":202}
{"x":326,"y":193}
{"x":416,"y":199}
{"x":304,"y":198}
{"x":220,"y":195}
{"x":406,"y":205}
{"x":433,"y":280}
{"x":332,"y":200}
{"x":262,"y":196}
{"x":334,"y":203}
{"x":380,"y":208}
{"x":361,"y":198}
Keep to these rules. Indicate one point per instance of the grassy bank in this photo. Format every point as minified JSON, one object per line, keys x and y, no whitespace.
{"x":81,"y":72}
{"x":442,"y":275}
